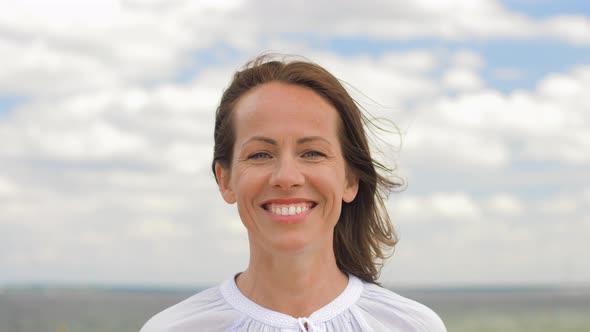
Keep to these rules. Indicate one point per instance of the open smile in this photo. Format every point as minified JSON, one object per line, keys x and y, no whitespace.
{"x":288,"y":208}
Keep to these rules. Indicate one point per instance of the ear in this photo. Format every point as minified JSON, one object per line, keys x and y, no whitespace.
{"x":224,"y":183}
{"x":351,"y":188}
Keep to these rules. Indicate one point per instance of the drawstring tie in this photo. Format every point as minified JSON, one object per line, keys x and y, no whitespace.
{"x":306,"y":325}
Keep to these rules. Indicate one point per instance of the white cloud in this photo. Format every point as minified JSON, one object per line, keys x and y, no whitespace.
{"x":388,"y":80}
{"x":496,"y":244}
{"x":569,"y":28}
{"x":463,"y":74}
{"x":161,"y":230}
{"x":444,"y":207}
{"x":467,"y":59}
{"x":99,"y":140}
{"x":60,"y":13}
{"x":505,"y":204}
{"x":460,"y":79}
{"x":508,"y":74}
{"x":37,"y":68}
{"x":455,"y":206}
{"x":418,"y":61}
{"x":7,"y":187}
{"x":563,"y":85}
{"x":78,"y":47}
{"x":547,"y":124}
{"x":451,"y":20}
{"x":448,"y":147}
{"x":564,"y":204}
{"x":69,"y":47}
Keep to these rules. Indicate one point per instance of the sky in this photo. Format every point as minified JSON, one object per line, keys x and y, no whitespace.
{"x":106,"y":134}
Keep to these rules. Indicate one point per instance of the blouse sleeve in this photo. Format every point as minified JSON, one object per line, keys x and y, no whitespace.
{"x":379,"y":309}
{"x":205,"y":311}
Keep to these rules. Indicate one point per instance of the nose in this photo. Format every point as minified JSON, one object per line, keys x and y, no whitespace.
{"x":286,"y":174}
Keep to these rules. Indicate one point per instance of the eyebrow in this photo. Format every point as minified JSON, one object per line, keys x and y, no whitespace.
{"x":271,"y":141}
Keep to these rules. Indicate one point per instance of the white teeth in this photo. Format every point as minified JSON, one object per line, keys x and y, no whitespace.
{"x":288,"y":210}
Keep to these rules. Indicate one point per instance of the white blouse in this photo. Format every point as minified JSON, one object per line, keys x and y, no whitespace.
{"x":361,"y":306}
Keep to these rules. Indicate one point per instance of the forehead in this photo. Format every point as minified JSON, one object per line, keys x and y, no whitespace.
{"x":280,"y":109}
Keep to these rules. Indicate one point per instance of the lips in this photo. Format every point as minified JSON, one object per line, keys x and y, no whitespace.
{"x":288,"y":208}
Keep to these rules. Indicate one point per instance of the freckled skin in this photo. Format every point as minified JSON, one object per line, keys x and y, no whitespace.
{"x":287,"y":147}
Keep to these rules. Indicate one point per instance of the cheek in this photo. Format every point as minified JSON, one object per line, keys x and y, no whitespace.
{"x":331,"y":186}
{"x":247,"y":185}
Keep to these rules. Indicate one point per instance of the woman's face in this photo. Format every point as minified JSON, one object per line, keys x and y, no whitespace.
{"x":288,"y":175}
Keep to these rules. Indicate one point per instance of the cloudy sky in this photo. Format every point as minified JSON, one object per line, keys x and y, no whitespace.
{"x":106,"y":119}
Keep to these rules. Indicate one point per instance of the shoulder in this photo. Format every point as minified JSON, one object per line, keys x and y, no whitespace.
{"x":206,"y":310}
{"x":394,"y":312}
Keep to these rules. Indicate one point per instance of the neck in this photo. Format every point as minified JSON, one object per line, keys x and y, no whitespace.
{"x":293,"y":284}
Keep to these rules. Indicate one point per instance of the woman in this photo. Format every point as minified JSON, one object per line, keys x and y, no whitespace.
{"x":291,"y":151}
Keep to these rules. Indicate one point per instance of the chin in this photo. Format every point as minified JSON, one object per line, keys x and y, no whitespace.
{"x":292,"y":244}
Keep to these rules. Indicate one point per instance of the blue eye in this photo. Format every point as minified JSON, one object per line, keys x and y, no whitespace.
{"x":259,"y":155}
{"x":313,"y":154}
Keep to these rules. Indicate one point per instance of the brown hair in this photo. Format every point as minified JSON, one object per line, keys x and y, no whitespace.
{"x":364,"y":234}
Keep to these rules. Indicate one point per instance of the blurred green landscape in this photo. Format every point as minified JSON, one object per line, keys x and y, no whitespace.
{"x":119,"y":309}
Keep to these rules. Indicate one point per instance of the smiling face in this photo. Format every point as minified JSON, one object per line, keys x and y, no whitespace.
{"x":288,"y":175}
